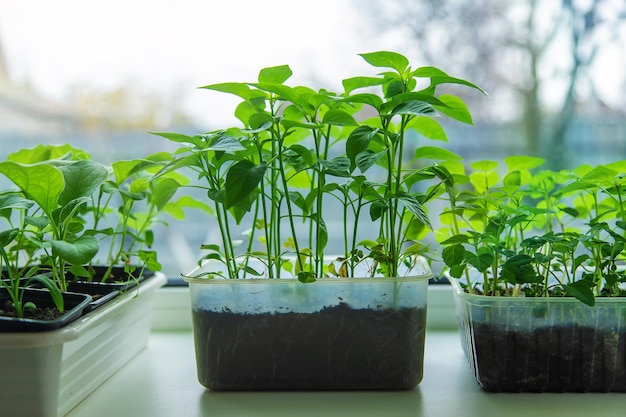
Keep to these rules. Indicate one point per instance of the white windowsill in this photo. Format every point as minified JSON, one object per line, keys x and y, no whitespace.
{"x":161,"y":382}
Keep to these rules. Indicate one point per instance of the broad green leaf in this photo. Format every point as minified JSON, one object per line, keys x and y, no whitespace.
{"x":7,"y":236}
{"x":438,"y":79}
{"x":370,"y":99}
{"x":224,"y":142}
{"x":481,"y":260}
{"x":82,"y":178}
{"x":164,"y":191}
{"x":366,"y":159}
{"x":79,"y":252}
{"x":455,"y":108}
{"x":14,"y":201}
{"x":453,"y":255}
{"x":290,"y":124}
{"x":484,"y":165}
{"x":427,"y":127}
{"x":351,"y":84}
{"x":42,"y":153}
{"x":428,"y":72}
{"x":377,"y":209}
{"x":275,"y":75}
{"x":513,"y":178}
{"x":306,"y":277}
{"x":436,"y":153}
{"x":175,"y":137}
{"x":456,"y":239}
{"x":399,"y":99}
{"x":358,"y":141}
{"x":581,"y":290}
{"x":281,"y":91}
{"x":41,"y":182}
{"x":600,"y":174}
{"x":259,"y":122}
{"x":242,"y":178}
{"x":339,"y":167}
{"x":303,"y":153}
{"x":414,"y":108}
{"x":239,"y":89}
{"x":515,"y":163}
{"x":38,"y":222}
{"x":338,"y":117}
{"x":386,"y":59}
{"x":456,"y":271}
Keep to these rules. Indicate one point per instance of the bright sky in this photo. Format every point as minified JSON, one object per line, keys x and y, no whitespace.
{"x":176,"y":46}
{"x":173,"y":46}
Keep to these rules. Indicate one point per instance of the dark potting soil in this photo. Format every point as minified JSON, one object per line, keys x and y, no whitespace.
{"x":558,"y":359}
{"x":43,"y":313}
{"x":335,"y":348}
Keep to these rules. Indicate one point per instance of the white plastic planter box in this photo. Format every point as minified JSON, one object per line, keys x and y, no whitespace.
{"x":46,"y":374}
{"x":517,"y":344}
{"x":280,"y":334}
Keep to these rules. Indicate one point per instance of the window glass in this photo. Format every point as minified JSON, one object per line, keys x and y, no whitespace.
{"x":101,"y":75}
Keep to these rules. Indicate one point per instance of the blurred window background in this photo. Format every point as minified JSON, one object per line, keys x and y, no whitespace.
{"x":100,"y":75}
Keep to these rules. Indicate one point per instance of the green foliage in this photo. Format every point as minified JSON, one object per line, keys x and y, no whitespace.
{"x":301,"y":154}
{"x":531,"y":232}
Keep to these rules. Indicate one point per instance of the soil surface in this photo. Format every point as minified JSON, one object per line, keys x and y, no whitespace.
{"x":335,"y":348}
{"x":45,"y":313}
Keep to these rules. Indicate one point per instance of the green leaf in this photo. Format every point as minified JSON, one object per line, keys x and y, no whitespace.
{"x":386,"y":59}
{"x":455,"y":108}
{"x":175,"y":137}
{"x":456,"y":271}
{"x":43,"y":153}
{"x":239,"y":89}
{"x":453,"y":255}
{"x":515,"y":163}
{"x":436,"y":153}
{"x":366,"y":159}
{"x":484,"y":165}
{"x":377,"y":209}
{"x":456,"y":239}
{"x":415,"y":207}
{"x":41,"y":182}
{"x":78,"y":252}
{"x":164,"y":191}
{"x":358,"y":141}
{"x":14,"y":201}
{"x":275,"y":75}
{"x":370,"y":99}
{"x":446,"y":79}
{"x":242,"y":178}
{"x":428,"y":72}
{"x":351,"y":84}
{"x":513,"y":178}
{"x":306,"y":277}
{"x":581,"y":290}
{"x":281,"y":91}
{"x":53,"y":290}
{"x":415,"y":108}
{"x":338,"y":117}
{"x":259,"y":122}
{"x":82,"y":178}
{"x":224,"y":142}
{"x":427,"y":127}
{"x":339,"y":167}
{"x":481,"y":260}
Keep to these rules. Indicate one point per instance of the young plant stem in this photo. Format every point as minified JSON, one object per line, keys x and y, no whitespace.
{"x":285,"y":186}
